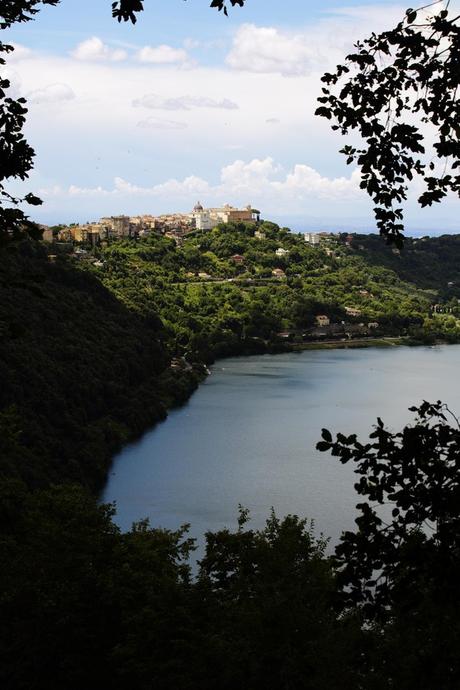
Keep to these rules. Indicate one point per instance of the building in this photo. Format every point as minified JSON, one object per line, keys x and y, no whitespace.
{"x":259,"y":235}
{"x":231,"y":214}
{"x":237,"y":259}
{"x":281,"y":252}
{"x":352,"y":311}
{"x":116,"y":227}
{"x":47,"y":235}
{"x":202,"y":218}
{"x":278,"y":273}
{"x":312,"y":238}
{"x":322,"y":320}
{"x":78,"y":233}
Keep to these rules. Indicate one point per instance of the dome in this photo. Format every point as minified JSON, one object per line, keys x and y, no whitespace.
{"x":198,"y":207}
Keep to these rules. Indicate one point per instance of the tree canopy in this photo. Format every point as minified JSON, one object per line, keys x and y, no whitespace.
{"x":404,"y":80}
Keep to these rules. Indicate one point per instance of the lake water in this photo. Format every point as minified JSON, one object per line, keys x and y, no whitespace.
{"x":248,"y":436}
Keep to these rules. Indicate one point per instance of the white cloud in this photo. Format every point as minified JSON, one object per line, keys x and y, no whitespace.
{"x":20,"y":52}
{"x":157,"y":123}
{"x":318,"y":47}
{"x":266,"y":49}
{"x":155,"y":102}
{"x":53,"y":93}
{"x":304,"y":180}
{"x":253,"y":175}
{"x":94,"y":49}
{"x":162,"y":55}
{"x":261,"y":180}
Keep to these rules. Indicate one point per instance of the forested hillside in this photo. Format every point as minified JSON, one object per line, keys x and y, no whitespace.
{"x":238,"y":287}
{"x":80,"y":373}
{"x":428,"y":262}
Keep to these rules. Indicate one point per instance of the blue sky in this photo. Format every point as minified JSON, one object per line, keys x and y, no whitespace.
{"x":189,"y":104}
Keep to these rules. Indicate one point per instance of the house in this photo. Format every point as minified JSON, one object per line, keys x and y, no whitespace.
{"x":312,"y":238}
{"x":322,"y":320}
{"x":237,"y":259}
{"x":372,"y":325}
{"x":352,"y":311}
{"x":278,"y":273}
{"x":281,"y":252}
{"x":259,"y":235}
{"x":441,"y":309}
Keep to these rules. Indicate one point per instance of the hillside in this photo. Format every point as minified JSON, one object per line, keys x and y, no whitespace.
{"x":80,"y":372}
{"x":431,"y":263}
{"x":93,"y":350}
{"x":96,"y":347}
{"x":241,"y":287}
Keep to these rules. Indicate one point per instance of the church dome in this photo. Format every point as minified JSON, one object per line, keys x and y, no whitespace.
{"x":198,"y":207}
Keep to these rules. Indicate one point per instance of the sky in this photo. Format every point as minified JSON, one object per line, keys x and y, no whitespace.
{"x":190,"y":105}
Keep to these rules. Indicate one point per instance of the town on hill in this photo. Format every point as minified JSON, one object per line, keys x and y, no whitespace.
{"x":174,"y":225}
{"x":208,"y":272}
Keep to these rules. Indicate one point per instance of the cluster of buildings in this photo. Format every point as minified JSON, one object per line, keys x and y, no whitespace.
{"x":324,"y":329}
{"x":174,"y":225}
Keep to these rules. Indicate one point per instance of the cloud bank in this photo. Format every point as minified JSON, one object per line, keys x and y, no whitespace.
{"x":256,"y":180}
{"x":155,"y":102}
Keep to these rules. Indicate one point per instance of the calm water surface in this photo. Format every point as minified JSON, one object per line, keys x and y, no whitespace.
{"x":248,"y":436}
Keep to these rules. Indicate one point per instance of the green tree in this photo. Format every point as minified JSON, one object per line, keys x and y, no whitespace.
{"x":402,"y":80}
{"x":272,"y":623}
{"x":401,"y":567}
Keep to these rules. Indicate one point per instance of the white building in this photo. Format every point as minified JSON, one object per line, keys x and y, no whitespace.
{"x":281,"y":252}
{"x":312,"y":238}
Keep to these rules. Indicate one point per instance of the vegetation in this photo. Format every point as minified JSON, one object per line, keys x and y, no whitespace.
{"x":86,"y":351}
{"x":85,"y":357}
{"x":401,"y":95}
{"x":80,"y":373}
{"x":84,"y":605}
{"x":213,"y":306}
{"x":94,"y":350}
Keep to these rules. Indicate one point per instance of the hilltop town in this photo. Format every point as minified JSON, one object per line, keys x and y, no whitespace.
{"x":316,"y":286}
{"x":173,"y":225}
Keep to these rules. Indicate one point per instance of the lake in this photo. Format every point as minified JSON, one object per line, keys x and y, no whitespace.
{"x":248,"y":436}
